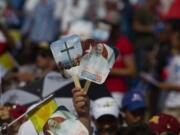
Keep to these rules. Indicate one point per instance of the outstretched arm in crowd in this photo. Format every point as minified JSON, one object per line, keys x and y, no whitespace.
{"x":139,"y":27}
{"x":82,"y":105}
{"x":169,"y":86}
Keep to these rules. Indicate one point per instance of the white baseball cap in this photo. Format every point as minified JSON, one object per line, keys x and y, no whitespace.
{"x":105,"y":106}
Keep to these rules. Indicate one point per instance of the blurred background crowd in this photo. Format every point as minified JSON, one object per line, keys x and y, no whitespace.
{"x":146,"y":33}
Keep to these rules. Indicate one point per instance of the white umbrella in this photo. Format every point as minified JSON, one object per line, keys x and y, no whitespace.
{"x":36,"y":90}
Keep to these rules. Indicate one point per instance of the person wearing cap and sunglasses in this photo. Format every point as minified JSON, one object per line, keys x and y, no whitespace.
{"x":133,"y":107}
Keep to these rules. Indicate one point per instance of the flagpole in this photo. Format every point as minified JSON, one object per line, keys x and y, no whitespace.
{"x":10,"y":124}
{"x":24,"y":114}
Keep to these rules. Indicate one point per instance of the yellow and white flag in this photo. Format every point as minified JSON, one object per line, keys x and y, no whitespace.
{"x":41,"y":113}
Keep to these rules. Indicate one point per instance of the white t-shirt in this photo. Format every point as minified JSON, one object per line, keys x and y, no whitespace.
{"x":173,"y":98}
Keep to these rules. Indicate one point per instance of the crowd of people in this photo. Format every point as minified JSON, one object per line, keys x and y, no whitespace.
{"x":143,"y":85}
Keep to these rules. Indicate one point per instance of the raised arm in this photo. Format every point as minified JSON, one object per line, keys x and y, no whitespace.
{"x":82,"y":105}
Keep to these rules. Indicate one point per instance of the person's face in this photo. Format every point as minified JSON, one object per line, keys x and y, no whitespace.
{"x":102,"y":31}
{"x":99,"y":49}
{"x":41,"y":62}
{"x":175,"y":40}
{"x":130,"y":118}
{"x":52,"y":124}
{"x":164,"y":35}
{"x":5,"y":112}
{"x":108,"y":127}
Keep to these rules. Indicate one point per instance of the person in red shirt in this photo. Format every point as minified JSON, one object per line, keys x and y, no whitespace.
{"x":123,"y":67}
{"x":125,"y":64}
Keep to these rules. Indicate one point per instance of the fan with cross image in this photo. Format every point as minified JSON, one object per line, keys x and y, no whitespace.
{"x":88,"y":59}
